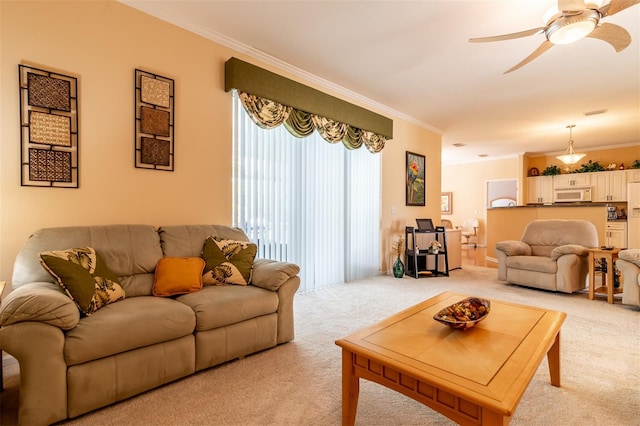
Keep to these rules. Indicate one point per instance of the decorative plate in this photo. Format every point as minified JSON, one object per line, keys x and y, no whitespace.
{"x":465,"y":313}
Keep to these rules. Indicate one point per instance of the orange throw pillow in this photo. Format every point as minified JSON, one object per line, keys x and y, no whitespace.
{"x":178,"y":275}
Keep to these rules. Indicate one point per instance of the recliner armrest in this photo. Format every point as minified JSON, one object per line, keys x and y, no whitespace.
{"x":514,"y":248}
{"x":569,"y":249}
{"x":271,"y":274}
{"x":630,"y":255}
{"x":39,"y":302}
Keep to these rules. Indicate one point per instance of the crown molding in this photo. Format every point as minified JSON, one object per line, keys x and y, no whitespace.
{"x":157,"y":10}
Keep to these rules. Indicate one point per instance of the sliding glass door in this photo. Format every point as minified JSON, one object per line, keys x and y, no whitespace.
{"x":307,"y":201}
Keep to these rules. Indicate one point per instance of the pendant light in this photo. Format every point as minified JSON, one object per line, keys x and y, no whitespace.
{"x":570,"y":156}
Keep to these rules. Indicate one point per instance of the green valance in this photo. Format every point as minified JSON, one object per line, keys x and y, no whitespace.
{"x":254,"y":80}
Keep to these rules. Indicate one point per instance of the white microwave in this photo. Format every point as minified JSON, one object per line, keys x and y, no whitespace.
{"x":572,"y":195}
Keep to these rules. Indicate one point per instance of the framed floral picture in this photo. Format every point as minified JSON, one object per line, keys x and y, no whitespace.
{"x":445,"y":203}
{"x":415,"y":179}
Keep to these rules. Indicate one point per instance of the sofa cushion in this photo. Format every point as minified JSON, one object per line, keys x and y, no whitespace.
{"x":132,"y":323}
{"x":178,"y":275}
{"x":228,"y":261}
{"x":187,"y":240}
{"x":130,"y":251}
{"x":84,"y":276}
{"x":533,"y":263}
{"x":218,"y":306}
{"x":558,"y":232}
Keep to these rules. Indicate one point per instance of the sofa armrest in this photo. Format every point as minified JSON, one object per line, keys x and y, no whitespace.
{"x":514,"y":248}
{"x":569,"y":249}
{"x":40,"y":302}
{"x":271,"y":274}
{"x":630,"y":255}
{"x":39,"y":350}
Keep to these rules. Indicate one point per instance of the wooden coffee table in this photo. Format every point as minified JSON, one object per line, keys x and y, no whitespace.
{"x":476,"y":376}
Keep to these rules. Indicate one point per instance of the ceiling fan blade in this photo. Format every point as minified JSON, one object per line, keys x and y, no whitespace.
{"x":546,"y":45}
{"x":616,"y":6}
{"x":613,"y":34}
{"x":508,"y":36}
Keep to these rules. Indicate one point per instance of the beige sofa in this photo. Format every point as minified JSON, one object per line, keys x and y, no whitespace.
{"x":71,"y":364}
{"x":628,"y":263}
{"x":551,"y":255}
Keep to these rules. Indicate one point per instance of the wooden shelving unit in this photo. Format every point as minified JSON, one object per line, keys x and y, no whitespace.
{"x":420,"y":261}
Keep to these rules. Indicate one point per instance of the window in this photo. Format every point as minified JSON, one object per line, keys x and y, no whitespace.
{"x":307,"y":201}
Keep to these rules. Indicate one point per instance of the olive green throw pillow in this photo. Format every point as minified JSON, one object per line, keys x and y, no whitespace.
{"x":84,"y":277}
{"x":227,"y":261}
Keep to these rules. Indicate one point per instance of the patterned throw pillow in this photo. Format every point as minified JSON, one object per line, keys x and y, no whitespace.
{"x":228,"y":261}
{"x":84,"y":277}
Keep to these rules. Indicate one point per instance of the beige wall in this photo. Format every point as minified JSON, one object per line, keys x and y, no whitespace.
{"x":468,"y":182}
{"x":395,"y":215}
{"x":102,"y":42}
{"x":623,"y":155}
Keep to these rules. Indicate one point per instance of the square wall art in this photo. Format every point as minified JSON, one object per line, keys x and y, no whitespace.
{"x":48,"y":128}
{"x":154,"y":121}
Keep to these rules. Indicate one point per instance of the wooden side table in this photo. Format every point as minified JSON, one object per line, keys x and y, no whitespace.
{"x":609,"y":257}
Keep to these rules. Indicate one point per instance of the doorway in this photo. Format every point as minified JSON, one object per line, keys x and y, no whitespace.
{"x":502,"y":193}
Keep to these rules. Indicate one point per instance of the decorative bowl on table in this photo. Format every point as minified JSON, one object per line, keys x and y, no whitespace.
{"x":465,"y":313}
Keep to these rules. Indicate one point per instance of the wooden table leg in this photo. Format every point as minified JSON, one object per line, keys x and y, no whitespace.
{"x":553,"y":358}
{"x":350,"y":389}
{"x":610,"y":275}
{"x":494,"y":419}
{"x":592,"y":276}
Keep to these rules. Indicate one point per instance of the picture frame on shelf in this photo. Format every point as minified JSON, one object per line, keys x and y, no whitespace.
{"x":415,"y":179}
{"x":445,"y":203}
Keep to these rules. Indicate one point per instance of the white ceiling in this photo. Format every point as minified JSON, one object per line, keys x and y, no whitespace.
{"x":412,"y":59}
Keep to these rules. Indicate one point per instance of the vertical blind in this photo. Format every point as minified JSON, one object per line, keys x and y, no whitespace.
{"x":306,"y":201}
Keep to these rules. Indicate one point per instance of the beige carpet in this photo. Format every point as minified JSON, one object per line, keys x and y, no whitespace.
{"x":299,"y":383}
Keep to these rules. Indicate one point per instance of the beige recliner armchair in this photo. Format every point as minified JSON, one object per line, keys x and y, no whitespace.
{"x":629,"y":264}
{"x":551,"y":255}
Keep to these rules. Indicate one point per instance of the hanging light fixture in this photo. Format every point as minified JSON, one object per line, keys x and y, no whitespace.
{"x":570,"y":156}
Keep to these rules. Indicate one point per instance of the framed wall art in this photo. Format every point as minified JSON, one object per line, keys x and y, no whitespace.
{"x":415,"y":179}
{"x":154,"y":121}
{"x":48,"y":128}
{"x":445,"y":203}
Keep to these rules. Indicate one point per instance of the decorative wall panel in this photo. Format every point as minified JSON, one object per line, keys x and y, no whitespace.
{"x":48,"y":128}
{"x":154,"y":121}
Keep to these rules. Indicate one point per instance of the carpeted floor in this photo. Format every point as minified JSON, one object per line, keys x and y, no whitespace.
{"x":299,"y":383}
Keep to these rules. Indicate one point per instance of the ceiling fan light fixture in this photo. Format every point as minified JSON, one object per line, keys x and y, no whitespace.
{"x":570,"y":156}
{"x":569,"y":29}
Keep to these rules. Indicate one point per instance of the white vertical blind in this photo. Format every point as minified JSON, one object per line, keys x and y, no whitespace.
{"x":307,"y":201}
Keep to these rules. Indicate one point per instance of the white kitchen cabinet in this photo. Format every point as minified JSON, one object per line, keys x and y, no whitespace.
{"x":609,"y":186}
{"x":633,"y":175}
{"x":616,"y":235}
{"x":540,"y":190}
{"x":572,"y":180}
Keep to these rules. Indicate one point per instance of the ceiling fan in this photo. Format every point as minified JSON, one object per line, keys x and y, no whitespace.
{"x":573,"y":20}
